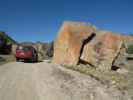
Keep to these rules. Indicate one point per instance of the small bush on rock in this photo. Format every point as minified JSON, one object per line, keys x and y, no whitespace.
{"x":130,"y":49}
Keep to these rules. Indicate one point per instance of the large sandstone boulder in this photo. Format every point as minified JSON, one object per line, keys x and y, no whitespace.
{"x":102,"y":50}
{"x":68,"y":45}
{"x":82,"y":43}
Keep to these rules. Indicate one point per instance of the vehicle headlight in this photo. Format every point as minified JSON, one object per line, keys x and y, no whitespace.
{"x":20,"y":47}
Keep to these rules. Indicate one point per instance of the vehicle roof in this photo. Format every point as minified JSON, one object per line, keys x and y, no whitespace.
{"x":26,"y":46}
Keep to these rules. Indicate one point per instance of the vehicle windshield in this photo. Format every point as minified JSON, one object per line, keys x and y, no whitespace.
{"x":20,"y":48}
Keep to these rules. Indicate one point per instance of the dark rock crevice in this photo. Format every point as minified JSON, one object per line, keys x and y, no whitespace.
{"x":90,"y":38}
{"x":115,"y":67}
{"x":85,"y":63}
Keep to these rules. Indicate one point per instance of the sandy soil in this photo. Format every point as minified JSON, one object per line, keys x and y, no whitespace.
{"x":44,"y":81}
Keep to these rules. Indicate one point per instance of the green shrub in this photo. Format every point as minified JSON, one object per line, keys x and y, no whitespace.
{"x":2,"y":59}
{"x":130,"y":49}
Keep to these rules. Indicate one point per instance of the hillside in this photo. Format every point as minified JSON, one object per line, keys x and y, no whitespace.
{"x":7,"y":38}
{"x":5,"y":48}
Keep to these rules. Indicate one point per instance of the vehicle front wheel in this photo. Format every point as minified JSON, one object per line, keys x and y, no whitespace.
{"x":17,"y":59}
{"x":34,"y":59}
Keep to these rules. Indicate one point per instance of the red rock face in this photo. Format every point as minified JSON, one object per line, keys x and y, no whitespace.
{"x":69,"y":42}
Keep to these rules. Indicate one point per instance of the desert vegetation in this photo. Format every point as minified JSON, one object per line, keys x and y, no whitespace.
{"x":130,"y":49}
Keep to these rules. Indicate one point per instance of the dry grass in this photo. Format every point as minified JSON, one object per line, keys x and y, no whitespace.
{"x":6,"y":58}
{"x":122,"y":82}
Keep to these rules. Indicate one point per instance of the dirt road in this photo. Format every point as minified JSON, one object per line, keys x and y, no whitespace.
{"x":44,"y":81}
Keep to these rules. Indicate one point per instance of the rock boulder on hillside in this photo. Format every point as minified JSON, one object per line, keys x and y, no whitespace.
{"x":81,"y":43}
{"x":68,"y":45}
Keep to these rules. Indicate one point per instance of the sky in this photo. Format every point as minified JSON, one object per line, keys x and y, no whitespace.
{"x":40,"y":20}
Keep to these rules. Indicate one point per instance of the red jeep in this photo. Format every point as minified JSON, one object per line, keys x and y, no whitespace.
{"x":26,"y":53}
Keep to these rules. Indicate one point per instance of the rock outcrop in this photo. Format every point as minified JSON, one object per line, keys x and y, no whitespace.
{"x":82,"y":43}
{"x":68,"y":46}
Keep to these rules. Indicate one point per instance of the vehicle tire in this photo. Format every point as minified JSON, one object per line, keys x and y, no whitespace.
{"x":34,"y":59}
{"x":17,"y":59}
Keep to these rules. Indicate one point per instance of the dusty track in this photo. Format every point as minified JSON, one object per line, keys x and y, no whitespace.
{"x":44,"y":81}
